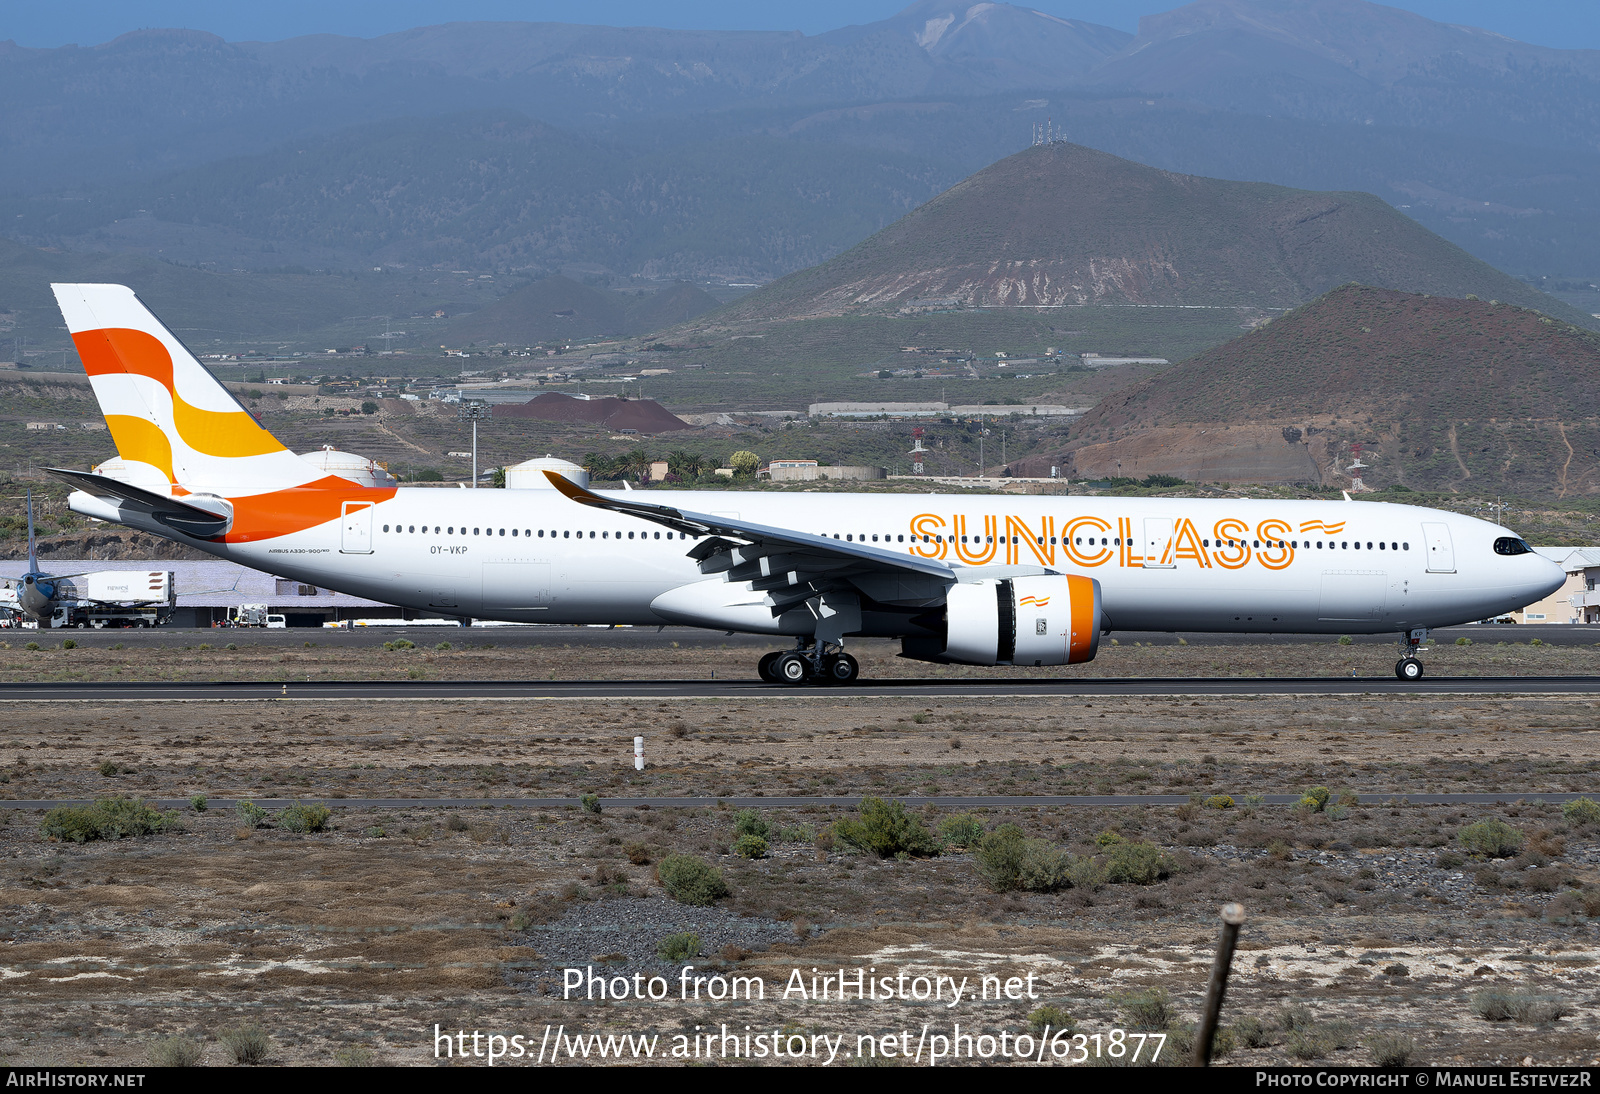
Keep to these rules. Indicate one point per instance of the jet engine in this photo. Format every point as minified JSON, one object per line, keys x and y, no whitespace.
{"x":1044,"y":620}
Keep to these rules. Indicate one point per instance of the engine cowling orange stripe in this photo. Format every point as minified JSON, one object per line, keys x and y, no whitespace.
{"x":1080,"y":642}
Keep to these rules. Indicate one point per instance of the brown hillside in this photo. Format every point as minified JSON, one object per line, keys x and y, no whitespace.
{"x":644,"y":415}
{"x":1061,"y":224}
{"x":1439,"y":392}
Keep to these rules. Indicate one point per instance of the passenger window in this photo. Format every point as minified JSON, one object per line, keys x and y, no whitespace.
{"x":541,"y":533}
{"x":566,"y":535}
{"x":1405,"y":546}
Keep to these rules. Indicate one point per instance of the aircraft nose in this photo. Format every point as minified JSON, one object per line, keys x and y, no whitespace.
{"x":1550,"y":577}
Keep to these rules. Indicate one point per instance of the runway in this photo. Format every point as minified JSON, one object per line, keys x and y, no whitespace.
{"x":800,"y":802}
{"x":744,"y":688}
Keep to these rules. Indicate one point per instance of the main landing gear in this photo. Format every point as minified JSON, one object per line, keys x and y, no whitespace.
{"x":809,"y":662}
{"x":1408,"y":668}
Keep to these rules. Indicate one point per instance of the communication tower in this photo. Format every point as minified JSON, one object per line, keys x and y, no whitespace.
{"x":917,"y":451}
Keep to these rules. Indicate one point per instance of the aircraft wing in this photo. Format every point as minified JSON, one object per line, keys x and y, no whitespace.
{"x":790,"y":566}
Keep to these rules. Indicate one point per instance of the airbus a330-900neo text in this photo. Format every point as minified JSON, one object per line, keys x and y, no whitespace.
{"x":987,"y":580}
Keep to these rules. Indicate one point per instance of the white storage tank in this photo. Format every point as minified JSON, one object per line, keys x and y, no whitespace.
{"x":529,"y":474}
{"x":347,"y":465}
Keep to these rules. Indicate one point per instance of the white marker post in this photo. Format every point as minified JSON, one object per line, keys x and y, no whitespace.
{"x":638,"y":753}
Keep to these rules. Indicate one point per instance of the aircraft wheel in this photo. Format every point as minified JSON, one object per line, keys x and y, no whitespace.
{"x":791,"y":668}
{"x":1408,"y":668}
{"x":842,"y":669}
{"x":764,"y":667}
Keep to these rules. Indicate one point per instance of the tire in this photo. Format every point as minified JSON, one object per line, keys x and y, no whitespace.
{"x":842,"y":669}
{"x":1408,"y":669}
{"x":764,"y":667}
{"x":791,"y":668}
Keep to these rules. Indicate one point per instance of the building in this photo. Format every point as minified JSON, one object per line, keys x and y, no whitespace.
{"x":1578,"y":600}
{"x":811,"y":470}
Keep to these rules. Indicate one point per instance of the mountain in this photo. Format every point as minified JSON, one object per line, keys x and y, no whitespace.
{"x":1442,"y":394}
{"x":751,"y":155}
{"x":558,"y":309}
{"x":1060,"y":225}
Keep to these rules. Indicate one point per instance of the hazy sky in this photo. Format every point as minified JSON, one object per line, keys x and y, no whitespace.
{"x":1561,"y":23}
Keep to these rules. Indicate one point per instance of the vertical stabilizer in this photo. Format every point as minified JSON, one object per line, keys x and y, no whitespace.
{"x":167,"y":414}
{"x":33,"y":543}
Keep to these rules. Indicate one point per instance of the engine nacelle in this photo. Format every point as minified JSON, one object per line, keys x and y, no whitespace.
{"x":1047,"y":620}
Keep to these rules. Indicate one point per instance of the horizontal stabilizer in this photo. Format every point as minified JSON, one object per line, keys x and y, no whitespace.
{"x":181,"y":517}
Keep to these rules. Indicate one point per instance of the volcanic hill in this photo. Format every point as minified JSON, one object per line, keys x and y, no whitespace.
{"x":1061,"y":224}
{"x":556,"y":308}
{"x":1442,"y":394}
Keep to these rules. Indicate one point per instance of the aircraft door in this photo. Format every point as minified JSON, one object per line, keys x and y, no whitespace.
{"x":1441,"y":550}
{"x":355,"y":537}
{"x":1157,"y":543}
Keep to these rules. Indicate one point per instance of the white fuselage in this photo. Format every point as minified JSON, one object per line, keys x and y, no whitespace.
{"x":1163,"y":563}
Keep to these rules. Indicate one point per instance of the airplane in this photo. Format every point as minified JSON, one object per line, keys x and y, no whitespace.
{"x":35,"y":592}
{"x":978,"y":580}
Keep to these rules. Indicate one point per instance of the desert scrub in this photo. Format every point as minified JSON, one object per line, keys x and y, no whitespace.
{"x":246,"y":1044}
{"x":1499,"y":1005}
{"x":678,"y":947}
{"x":1219,"y":801}
{"x":749,"y":846}
{"x":1581,"y":811}
{"x":590,"y":803}
{"x":1392,"y":1049}
{"x":1180,"y":1043}
{"x":178,"y":1051}
{"x":1150,"y":1008}
{"x":1134,"y":862}
{"x":691,"y":880}
{"x":1491,"y":838}
{"x":961,"y":830}
{"x":108,"y":818}
{"x":797,"y":833}
{"x":1055,"y":1019}
{"x":197,"y":802}
{"x":300,"y":817}
{"x":249,"y":813}
{"x":885,"y":829}
{"x":1315,"y":800}
{"x":1010,"y":860}
{"x":750,"y":822}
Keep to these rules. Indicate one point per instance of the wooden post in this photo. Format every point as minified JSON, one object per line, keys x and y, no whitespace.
{"x":1232,"y":919}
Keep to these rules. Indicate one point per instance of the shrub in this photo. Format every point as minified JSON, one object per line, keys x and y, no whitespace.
{"x":1316,"y":799}
{"x":178,"y":1051}
{"x":885,"y":829}
{"x":961,"y":830}
{"x":246,"y":1044}
{"x":197,"y":802}
{"x":637,"y":853}
{"x":679,"y":947}
{"x":1135,"y":863}
{"x":1055,"y":1018}
{"x":1308,"y":1044}
{"x":1346,"y":640}
{"x":72,"y":644}
{"x":1391,"y":1049}
{"x":1582,"y":811}
{"x":34,"y":646}
{"x":1219,"y":801}
{"x":442,"y":646}
{"x":355,"y":1056}
{"x":691,"y":880}
{"x":1492,"y":838}
{"x":1010,"y":860}
{"x":796,"y":833}
{"x":750,"y":847}
{"x":231,"y":646}
{"x":1147,"y":1009}
{"x":300,"y":817}
{"x":1180,"y":1043}
{"x":1448,"y":860}
{"x":108,"y":818}
{"x":108,"y":769}
{"x":1499,"y":1005}
{"x":1109,"y":838}
{"x":749,"y":822}
{"x":590,"y":803}
{"x":1252,"y":1032}
{"x":1296,"y":1016}
{"x":250,"y":813}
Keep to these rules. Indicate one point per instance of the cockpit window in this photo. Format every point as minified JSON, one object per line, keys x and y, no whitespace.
{"x":1510,"y":545}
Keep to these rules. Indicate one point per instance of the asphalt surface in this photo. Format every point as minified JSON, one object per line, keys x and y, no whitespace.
{"x":516,"y":637}
{"x":746,"y":688}
{"x":1090,"y":800}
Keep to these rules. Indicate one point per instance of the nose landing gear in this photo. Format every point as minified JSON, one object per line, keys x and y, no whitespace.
{"x":819,"y":662}
{"x":1409,"y":668}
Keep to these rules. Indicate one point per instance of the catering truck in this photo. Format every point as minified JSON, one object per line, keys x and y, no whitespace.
{"x":114,"y":598}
